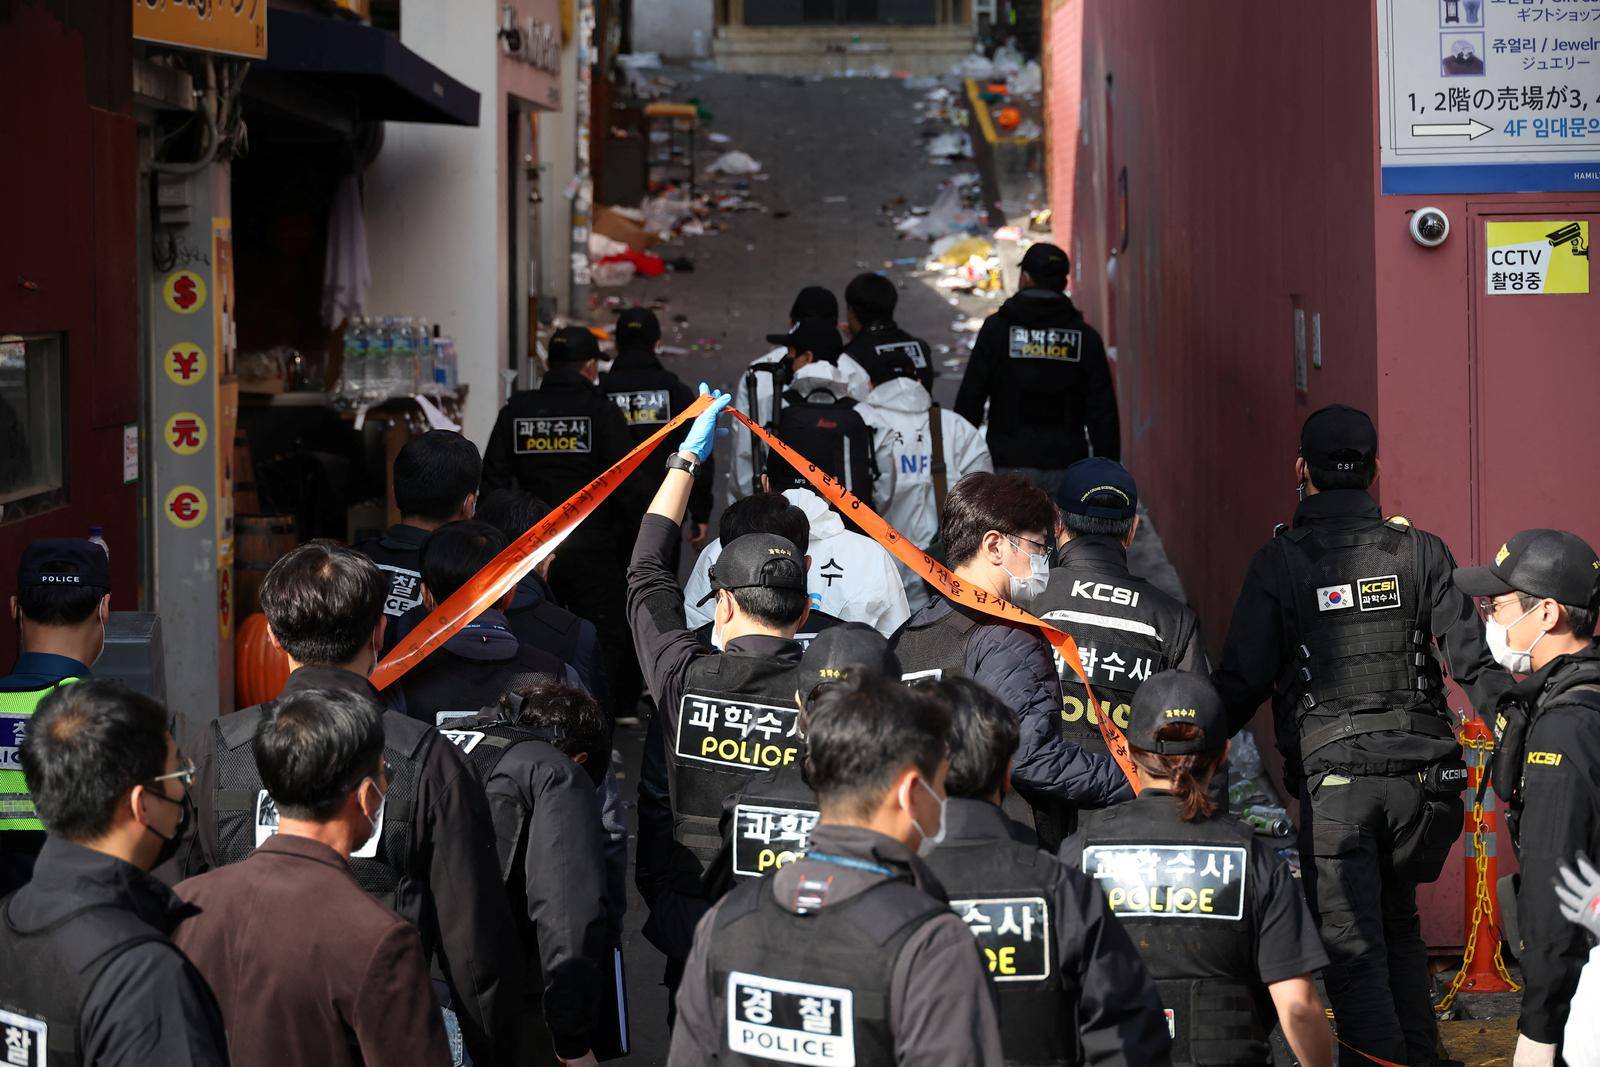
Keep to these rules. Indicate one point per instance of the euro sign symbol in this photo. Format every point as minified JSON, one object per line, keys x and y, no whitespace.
{"x":183,"y":293}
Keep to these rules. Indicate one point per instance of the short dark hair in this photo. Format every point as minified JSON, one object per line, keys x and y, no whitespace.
{"x":981,"y":502}
{"x":872,"y":297}
{"x":573,"y":718}
{"x":1087,"y":525}
{"x":772,"y":607}
{"x":435,"y":473}
{"x":768,"y":513}
{"x":59,"y":605}
{"x":510,"y":510}
{"x":87,"y":745}
{"x":863,"y":732}
{"x":314,"y":746}
{"x":1358,"y":477}
{"x":983,"y":737}
{"x":456,"y":551}
{"x":1580,"y":620}
{"x":322,"y":602}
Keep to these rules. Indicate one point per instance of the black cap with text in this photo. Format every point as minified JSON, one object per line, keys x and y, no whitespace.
{"x":1177,"y":697}
{"x":1338,"y":438}
{"x":840,"y":652}
{"x":758,"y":561}
{"x":637,"y":326}
{"x":573,"y":344}
{"x":64,"y":561}
{"x":1541,"y":563}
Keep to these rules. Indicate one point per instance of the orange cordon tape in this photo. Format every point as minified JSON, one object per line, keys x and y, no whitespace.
{"x":936,"y":575}
{"x":520,"y":557}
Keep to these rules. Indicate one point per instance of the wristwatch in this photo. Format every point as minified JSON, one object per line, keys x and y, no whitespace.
{"x":680,"y":462}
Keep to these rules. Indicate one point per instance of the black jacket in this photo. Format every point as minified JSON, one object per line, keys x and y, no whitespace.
{"x":554,"y":440}
{"x":1014,"y":662}
{"x":878,"y":341}
{"x":1094,"y":559}
{"x":473,"y":668}
{"x":466,"y":924}
{"x":1103,"y":977}
{"x":1043,"y":371}
{"x":637,"y":383}
{"x":398,"y":554}
{"x":1259,"y":655}
{"x":548,"y":832}
{"x":1557,"y":817}
{"x":149,"y":1005}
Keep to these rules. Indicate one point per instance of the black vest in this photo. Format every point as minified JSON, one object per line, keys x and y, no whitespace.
{"x":1364,"y":661}
{"x":400,"y":561}
{"x":1183,"y":892}
{"x":483,"y":745}
{"x":642,"y":389}
{"x":1005,"y":891}
{"x":736,"y":717}
{"x":810,"y":988}
{"x":937,"y":649}
{"x":770,"y":822}
{"x":1119,"y":644}
{"x":49,"y":972}
{"x":548,"y":627}
{"x":246,"y":815}
{"x":446,"y":687}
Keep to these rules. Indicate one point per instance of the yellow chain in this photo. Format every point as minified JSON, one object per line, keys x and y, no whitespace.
{"x":1481,"y":903}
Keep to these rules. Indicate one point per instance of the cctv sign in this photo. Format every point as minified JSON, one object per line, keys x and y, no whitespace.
{"x":1485,"y":96}
{"x":1535,"y":258}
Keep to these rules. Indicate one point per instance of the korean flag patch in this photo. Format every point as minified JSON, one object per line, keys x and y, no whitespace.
{"x":1335,"y":597}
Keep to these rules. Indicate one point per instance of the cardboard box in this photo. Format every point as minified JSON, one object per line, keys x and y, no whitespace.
{"x":608,"y":223}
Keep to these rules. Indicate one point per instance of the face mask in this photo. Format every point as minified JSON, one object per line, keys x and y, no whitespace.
{"x":1022,"y":591}
{"x":1499,"y":637}
{"x":169,"y":845}
{"x":929,"y":841}
{"x":376,"y":818}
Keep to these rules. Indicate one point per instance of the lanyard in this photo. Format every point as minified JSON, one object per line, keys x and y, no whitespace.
{"x":852,"y":863}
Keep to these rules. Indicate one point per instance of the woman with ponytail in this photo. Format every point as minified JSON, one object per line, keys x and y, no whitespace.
{"x":1216,"y":913}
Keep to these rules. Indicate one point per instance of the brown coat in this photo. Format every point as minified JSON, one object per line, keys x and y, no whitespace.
{"x":307,"y":967}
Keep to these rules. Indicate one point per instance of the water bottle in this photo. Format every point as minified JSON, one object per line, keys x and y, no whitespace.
{"x":355,"y":357}
{"x":423,"y":348}
{"x":97,"y":534}
{"x":374,"y":384}
{"x":445,"y":363}
{"x":402,"y":358}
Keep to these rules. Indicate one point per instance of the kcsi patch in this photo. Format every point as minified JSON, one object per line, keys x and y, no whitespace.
{"x":1380,"y":593}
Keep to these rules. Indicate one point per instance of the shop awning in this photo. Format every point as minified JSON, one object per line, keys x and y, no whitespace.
{"x":386,"y":79}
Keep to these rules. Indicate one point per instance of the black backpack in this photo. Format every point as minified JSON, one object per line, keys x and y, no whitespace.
{"x":830,"y":433}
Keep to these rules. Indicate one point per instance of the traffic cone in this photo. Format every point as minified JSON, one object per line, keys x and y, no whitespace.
{"x":1485,"y":971}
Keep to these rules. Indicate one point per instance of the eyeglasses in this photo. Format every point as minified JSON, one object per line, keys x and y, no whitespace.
{"x":184,"y":774}
{"x":1488,"y":606}
{"x":1044,"y":549}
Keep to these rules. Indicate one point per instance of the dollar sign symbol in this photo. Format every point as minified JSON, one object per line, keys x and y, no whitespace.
{"x":183,"y":293}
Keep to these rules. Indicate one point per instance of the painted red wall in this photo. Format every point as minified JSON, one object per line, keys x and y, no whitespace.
{"x":68,"y":192}
{"x":1061,"y":61}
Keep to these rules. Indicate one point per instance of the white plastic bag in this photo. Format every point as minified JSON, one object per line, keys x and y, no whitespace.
{"x":735,"y":162}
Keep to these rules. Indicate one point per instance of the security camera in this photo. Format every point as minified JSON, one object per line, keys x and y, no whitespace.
{"x":1429,"y":227}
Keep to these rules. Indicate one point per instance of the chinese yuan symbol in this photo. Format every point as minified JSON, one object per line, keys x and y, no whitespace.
{"x":186,"y":433}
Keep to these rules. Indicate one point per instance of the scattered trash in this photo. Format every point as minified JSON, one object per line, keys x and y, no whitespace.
{"x":1007,"y":61}
{"x":643,"y":263}
{"x":610,"y":275}
{"x":955,"y":249}
{"x":950,"y":213}
{"x":952,"y":364}
{"x":1028,"y":130}
{"x":836,"y":200}
{"x":951,"y":146}
{"x":1028,"y":81}
{"x":1008,"y":233}
{"x":735,"y":162}
{"x":974,"y":65}
{"x":681,"y":265}
{"x":718,"y":138}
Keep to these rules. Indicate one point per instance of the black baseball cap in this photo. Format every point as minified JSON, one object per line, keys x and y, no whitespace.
{"x":1541,"y":563}
{"x":1177,"y":696}
{"x":1338,"y":438}
{"x":64,"y":561}
{"x":638,"y":326}
{"x":573,"y":344}
{"x":814,"y":302}
{"x":895,"y":365}
{"x":820,"y":337}
{"x":758,"y":561}
{"x":1046,"y":262}
{"x":1100,"y":488}
{"x":838,"y":653}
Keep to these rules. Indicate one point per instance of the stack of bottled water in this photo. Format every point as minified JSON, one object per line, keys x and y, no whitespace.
{"x":395,"y":356}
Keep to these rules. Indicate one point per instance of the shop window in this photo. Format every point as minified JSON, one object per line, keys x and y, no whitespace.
{"x":33,"y":424}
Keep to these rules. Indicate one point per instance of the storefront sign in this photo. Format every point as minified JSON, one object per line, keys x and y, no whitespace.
{"x":534,"y":39}
{"x":233,"y":27}
{"x":1535,"y":258}
{"x":1489,"y":97}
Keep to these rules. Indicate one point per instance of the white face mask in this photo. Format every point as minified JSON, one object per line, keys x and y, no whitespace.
{"x":929,"y":841}
{"x":1022,"y":591}
{"x":369,"y":846}
{"x":1499,"y":637}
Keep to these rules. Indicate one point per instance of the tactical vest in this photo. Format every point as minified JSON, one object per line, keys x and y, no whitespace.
{"x":644,"y":396}
{"x":1118,"y":644}
{"x":811,"y":988}
{"x":1365,"y":660}
{"x":49,"y":973}
{"x":547,"y":626}
{"x":16,"y":709}
{"x":736,"y":717}
{"x":937,"y":649}
{"x":385,"y":865}
{"x":1182,"y":891}
{"x":482,"y":746}
{"x":402,"y":570}
{"x":770,"y":823}
{"x":445,"y":687}
{"x":1005,"y":892}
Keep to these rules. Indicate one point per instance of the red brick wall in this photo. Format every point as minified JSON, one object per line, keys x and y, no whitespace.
{"x":1062,"y":62}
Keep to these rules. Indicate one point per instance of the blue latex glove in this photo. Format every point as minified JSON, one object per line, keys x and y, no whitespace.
{"x":704,"y":431}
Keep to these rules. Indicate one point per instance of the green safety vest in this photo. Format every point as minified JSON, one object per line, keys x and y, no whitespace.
{"x":16,"y":708}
